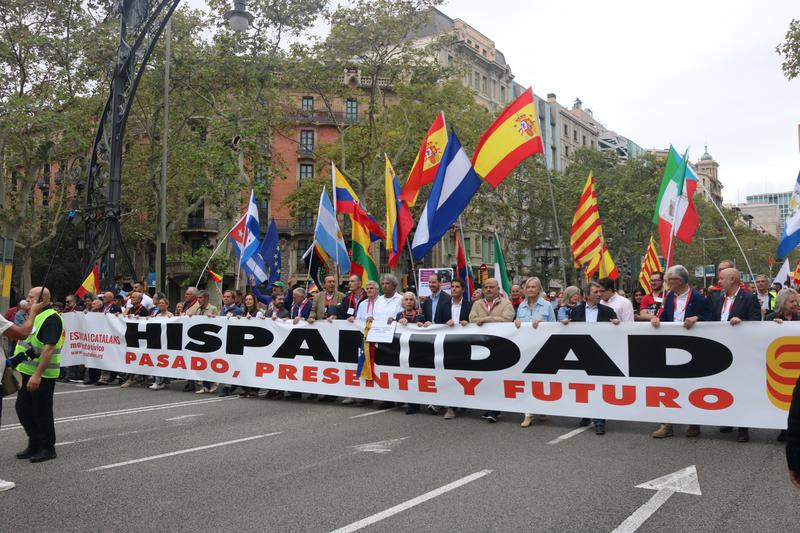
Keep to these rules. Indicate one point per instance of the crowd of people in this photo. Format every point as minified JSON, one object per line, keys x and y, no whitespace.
{"x":672,"y":299}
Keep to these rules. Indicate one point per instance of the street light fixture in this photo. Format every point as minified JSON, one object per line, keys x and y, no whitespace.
{"x":239,"y":19}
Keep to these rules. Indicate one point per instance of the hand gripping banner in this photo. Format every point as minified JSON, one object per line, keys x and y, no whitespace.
{"x":713,"y":374}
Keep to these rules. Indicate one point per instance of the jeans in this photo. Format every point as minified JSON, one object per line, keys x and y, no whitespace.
{"x":35,"y":413}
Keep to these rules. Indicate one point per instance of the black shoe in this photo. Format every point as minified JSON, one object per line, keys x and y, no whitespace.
{"x":584,"y":422}
{"x":743,"y":435}
{"x":189,"y":387}
{"x":224,"y":391}
{"x":725,"y":429}
{"x":782,"y":436}
{"x":412,"y":408}
{"x":599,"y":429}
{"x":27,"y":453}
{"x":294,"y":396}
{"x":89,"y":381}
{"x":312,"y":397}
{"x":326,"y":398}
{"x":43,"y":455}
{"x":386,"y":405}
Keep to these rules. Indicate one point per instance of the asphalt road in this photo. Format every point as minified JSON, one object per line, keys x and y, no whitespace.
{"x":141,"y":460}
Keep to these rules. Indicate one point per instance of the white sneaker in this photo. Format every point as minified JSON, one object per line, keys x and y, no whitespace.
{"x":348,"y":401}
{"x":6,"y":485}
{"x":201,"y":390}
{"x":154,"y":386}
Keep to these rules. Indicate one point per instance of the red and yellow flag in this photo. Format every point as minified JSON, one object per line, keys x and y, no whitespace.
{"x":796,"y":275}
{"x":512,"y":137}
{"x":426,"y":164}
{"x":649,"y":265}
{"x":91,"y":285}
{"x":586,"y":238}
{"x":214,"y":276}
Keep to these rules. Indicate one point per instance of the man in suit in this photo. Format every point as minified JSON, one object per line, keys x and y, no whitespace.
{"x":437,"y":305}
{"x":456,"y":312}
{"x":793,"y":438}
{"x":326,"y":303}
{"x":591,"y":310}
{"x":681,"y":304}
{"x":734,"y":305}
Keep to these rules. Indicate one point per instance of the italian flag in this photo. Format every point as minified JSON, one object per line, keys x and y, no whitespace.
{"x":675,"y":212}
{"x":500,"y":271}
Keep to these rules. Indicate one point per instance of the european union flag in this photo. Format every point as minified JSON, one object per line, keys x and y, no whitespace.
{"x":271,"y":253}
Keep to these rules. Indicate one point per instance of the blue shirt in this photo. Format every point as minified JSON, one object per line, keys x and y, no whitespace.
{"x":234,"y":310}
{"x":542,"y":310}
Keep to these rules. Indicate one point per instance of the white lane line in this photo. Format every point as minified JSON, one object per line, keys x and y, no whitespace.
{"x":109,"y":436}
{"x":181,"y":452}
{"x":184,"y":417}
{"x":355,"y":526}
{"x":130,"y":411}
{"x":379,"y":411}
{"x":569,"y":435}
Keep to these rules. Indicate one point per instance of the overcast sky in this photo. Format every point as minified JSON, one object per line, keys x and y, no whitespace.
{"x":682,"y":72}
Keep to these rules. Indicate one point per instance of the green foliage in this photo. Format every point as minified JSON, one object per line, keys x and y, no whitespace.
{"x":196,"y":261}
{"x":790,"y":50}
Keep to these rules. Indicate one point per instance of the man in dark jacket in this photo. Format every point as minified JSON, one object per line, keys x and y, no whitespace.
{"x":681,"y":304}
{"x":734,"y":305}
{"x":793,"y":438}
{"x":591,"y":310}
{"x":437,"y":305}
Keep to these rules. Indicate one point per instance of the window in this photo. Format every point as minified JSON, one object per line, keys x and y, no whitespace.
{"x":584,"y":140}
{"x":307,"y":104}
{"x":502,"y":93}
{"x":476,"y":81}
{"x":307,"y":140}
{"x":477,"y":249}
{"x":466,"y":245}
{"x":351,"y":110}
{"x":306,"y":171}
{"x":302,"y":247}
{"x":566,"y":131}
{"x":575,"y":135}
{"x":592,"y":145}
{"x":566,"y":150}
{"x":485,"y":86}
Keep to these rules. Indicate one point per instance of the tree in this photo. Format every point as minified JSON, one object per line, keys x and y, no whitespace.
{"x":790,"y":50}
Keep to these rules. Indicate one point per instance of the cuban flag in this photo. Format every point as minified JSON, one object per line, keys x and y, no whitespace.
{"x":252,"y":231}
{"x":790,"y":237}
{"x":455,"y":185}
{"x":253,"y":267}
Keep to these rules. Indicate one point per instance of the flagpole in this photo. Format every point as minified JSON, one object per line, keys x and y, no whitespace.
{"x":672,"y":228}
{"x":219,"y":245}
{"x":558,"y":230}
{"x":722,"y":215}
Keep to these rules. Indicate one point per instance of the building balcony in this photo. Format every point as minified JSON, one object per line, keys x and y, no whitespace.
{"x":305,"y":152}
{"x":324,"y":118}
{"x":291,"y":226}
{"x":178,"y":269}
{"x":201,"y":225}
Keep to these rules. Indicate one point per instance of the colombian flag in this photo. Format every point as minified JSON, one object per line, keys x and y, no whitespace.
{"x":426,"y":164}
{"x":398,"y":216}
{"x":512,"y":137}
{"x":91,"y":284}
{"x":347,"y":203}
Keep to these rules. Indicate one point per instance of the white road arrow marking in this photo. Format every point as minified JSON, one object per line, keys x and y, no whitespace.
{"x":684,"y":480}
{"x":383,"y":446}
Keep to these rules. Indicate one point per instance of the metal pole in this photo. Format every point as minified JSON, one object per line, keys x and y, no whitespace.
{"x":558,"y":230}
{"x":161,"y":252}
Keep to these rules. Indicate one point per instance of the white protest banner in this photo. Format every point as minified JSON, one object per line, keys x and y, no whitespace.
{"x":445,"y":277}
{"x":713,"y":374}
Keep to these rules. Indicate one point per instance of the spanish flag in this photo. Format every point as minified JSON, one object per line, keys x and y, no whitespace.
{"x":512,"y":137}
{"x":214,"y":276}
{"x":91,"y":285}
{"x":426,"y":164}
{"x":398,"y":216}
{"x":586,"y":238}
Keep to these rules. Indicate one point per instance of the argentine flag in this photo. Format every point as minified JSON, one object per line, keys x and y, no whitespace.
{"x":790,"y":237}
{"x":455,"y":185}
{"x":328,"y":235}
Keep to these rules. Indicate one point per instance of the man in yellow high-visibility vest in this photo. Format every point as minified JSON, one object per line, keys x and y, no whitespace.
{"x":40,"y":367}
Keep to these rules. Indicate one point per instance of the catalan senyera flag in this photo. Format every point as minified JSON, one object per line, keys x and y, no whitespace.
{"x":512,"y":137}
{"x":346,"y":201}
{"x":398,"y":216}
{"x":586,"y":238}
{"x":91,"y":284}
{"x":426,"y":164}
{"x":650,"y":264}
{"x":214,"y":276}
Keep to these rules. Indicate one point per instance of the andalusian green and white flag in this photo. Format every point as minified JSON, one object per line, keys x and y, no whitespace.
{"x":500,"y":271}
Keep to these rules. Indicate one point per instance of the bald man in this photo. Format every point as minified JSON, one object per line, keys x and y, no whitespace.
{"x":734,"y":305}
{"x":39,"y":367}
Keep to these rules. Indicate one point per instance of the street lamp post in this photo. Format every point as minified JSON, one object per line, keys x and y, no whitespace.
{"x":141,"y":24}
